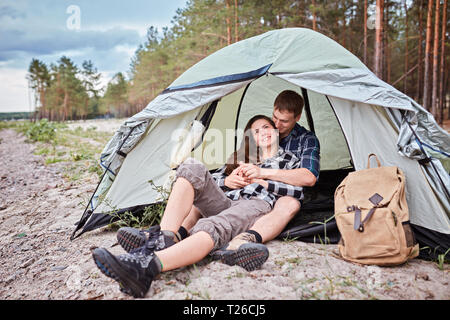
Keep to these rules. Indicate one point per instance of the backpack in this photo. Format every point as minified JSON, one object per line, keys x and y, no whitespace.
{"x":372,"y":216}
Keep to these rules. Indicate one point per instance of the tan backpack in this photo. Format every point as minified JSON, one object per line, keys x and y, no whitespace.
{"x":372,"y":216}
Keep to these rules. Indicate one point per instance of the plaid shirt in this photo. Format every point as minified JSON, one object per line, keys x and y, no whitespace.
{"x":281,"y":160}
{"x":305,"y":145}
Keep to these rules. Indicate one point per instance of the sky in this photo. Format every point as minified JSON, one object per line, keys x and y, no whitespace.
{"x":107,"y":32}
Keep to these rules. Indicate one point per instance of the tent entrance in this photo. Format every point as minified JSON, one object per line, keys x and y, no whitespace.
{"x":233,"y":112}
{"x":315,"y":221}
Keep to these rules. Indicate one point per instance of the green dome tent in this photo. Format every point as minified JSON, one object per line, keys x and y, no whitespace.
{"x":352,"y":112}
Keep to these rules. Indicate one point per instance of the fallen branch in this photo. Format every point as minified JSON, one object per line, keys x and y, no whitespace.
{"x":409,"y":71}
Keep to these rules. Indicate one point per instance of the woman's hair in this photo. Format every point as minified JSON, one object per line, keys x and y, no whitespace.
{"x":248,"y":152}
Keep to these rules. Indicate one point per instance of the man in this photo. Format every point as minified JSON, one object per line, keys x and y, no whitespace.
{"x":288,"y":107}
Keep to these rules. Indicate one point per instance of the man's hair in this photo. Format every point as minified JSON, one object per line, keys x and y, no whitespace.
{"x":290,"y":101}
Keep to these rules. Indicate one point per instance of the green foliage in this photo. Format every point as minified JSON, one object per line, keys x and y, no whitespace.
{"x":64,"y":91}
{"x":78,"y":148}
{"x":9,"y":124}
{"x":115,"y":100}
{"x":43,"y":131}
{"x":14,"y":115}
{"x":151,"y":215}
{"x":442,"y":259}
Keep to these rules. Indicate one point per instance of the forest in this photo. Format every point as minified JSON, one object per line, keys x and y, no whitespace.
{"x":403,"y":42}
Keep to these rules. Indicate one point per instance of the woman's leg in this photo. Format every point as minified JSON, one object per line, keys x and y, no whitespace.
{"x":194,"y":185}
{"x":178,"y":206}
{"x":198,"y":246}
{"x":221,"y":227}
{"x":192,"y":218}
{"x":239,"y":217}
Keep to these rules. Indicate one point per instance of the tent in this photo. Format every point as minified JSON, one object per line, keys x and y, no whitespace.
{"x":352,"y":112}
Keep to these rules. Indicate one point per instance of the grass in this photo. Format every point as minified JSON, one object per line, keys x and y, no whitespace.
{"x":76,"y":152}
{"x":442,"y":259}
{"x":77,"y":148}
{"x":150,"y":216}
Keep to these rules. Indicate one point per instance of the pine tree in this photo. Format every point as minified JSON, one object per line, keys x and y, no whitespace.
{"x":378,"y":60}
{"x":39,"y":78}
{"x":427,"y":73}
{"x":434,"y":90}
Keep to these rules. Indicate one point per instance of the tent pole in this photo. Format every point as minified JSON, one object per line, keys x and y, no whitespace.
{"x":237,"y":116}
{"x":87,"y":213}
{"x":427,"y":158}
{"x":308,"y":110}
{"x":352,"y":161}
{"x":85,"y":217}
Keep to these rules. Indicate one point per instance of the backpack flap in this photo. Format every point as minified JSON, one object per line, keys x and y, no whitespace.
{"x":369,"y":187}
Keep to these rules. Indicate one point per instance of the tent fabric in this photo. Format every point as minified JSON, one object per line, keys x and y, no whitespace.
{"x":361,"y":85}
{"x":259,"y":100}
{"x":133,"y":129}
{"x":281,"y":48}
{"x":365,"y":87}
{"x":239,"y":77}
{"x":379,"y":137}
{"x":141,"y":165}
{"x":369,"y":116}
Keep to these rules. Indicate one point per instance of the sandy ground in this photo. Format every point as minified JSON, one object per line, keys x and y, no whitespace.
{"x":38,"y":210}
{"x":110,"y":125}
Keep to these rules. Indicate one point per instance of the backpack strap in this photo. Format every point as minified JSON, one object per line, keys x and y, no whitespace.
{"x":358,"y":224}
{"x":368,"y":160}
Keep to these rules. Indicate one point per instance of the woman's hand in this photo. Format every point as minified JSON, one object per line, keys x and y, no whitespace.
{"x":237,"y":179}
{"x":251,"y":171}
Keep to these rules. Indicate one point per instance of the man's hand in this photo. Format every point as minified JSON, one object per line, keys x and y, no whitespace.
{"x":262,"y":182}
{"x":237,"y":179}
{"x":251,"y":171}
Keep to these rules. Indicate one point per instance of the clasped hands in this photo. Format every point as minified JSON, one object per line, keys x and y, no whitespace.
{"x":244,"y":175}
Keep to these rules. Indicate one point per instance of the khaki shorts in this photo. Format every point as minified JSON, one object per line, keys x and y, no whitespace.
{"x":222,"y":218}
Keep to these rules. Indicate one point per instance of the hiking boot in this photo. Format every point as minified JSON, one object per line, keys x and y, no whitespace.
{"x":132,"y":238}
{"x":133,"y":271}
{"x":243,"y":251}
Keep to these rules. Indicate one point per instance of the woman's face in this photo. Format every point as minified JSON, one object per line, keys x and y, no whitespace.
{"x":264,"y":133}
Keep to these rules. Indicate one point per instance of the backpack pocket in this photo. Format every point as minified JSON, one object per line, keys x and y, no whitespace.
{"x":379,"y":238}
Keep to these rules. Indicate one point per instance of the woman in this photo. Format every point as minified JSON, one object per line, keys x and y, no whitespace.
{"x":226,"y":212}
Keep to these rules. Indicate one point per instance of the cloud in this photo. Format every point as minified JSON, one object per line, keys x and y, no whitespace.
{"x":14,"y":94}
{"x":52,"y":41}
{"x":109,"y":34}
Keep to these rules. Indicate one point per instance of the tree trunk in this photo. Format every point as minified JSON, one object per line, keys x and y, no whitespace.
{"x":385,"y":50}
{"x":434,"y":94}
{"x":314,"y":15}
{"x":420,"y":55}
{"x":405,"y":80}
{"x":365,"y":33}
{"x":65,"y":106}
{"x":227,"y":2}
{"x":442,"y":81}
{"x":42,"y":98}
{"x":236,"y":22}
{"x":344,"y":29}
{"x":426,"y":84}
{"x":379,"y":39}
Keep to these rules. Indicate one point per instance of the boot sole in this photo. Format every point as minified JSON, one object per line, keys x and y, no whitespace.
{"x":130,"y":238}
{"x":111,"y":268}
{"x":247,"y":256}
